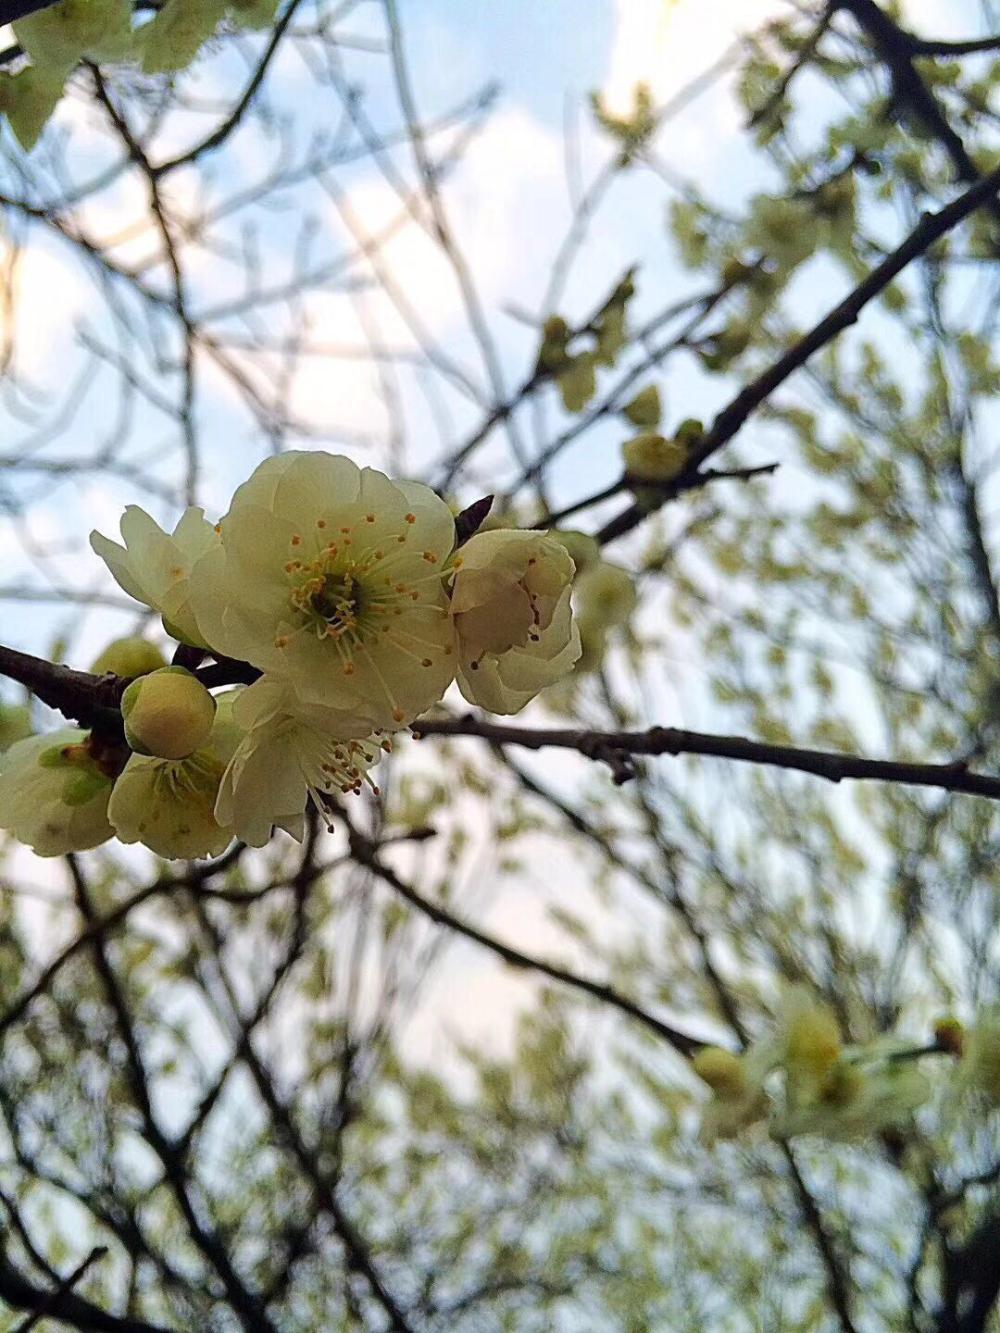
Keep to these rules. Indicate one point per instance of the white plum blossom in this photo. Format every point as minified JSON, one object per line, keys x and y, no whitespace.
{"x":330,"y":576}
{"x":511,"y":606}
{"x":154,"y":566}
{"x":865,"y":1090}
{"x":290,"y":753}
{"x":54,"y":793}
{"x":341,"y":587}
{"x":169,"y":804}
{"x":802,"y":1079}
{"x":809,"y":1041}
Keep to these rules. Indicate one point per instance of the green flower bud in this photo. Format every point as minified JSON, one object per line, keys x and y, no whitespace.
{"x":578,"y":382}
{"x":980,"y":1067}
{"x":167,"y":713}
{"x":593,"y":647}
{"x":722,"y":1071}
{"x":552,"y":355}
{"x":652,"y":457}
{"x":605,"y":595}
{"x":813,"y":1042}
{"x":132,"y":656}
{"x":727,"y":344}
{"x":54,"y":793}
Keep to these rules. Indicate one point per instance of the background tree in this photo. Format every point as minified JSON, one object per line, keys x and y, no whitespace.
{"x":217,"y":1108}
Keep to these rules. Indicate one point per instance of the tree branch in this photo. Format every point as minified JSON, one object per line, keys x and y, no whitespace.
{"x":896,"y":48}
{"x":616,"y":749}
{"x":65,"y":1306}
{"x":364,"y":852}
{"x":732,"y":418}
{"x":65,"y":1285}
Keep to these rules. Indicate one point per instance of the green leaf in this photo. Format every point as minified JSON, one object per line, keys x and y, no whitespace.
{"x":173,"y":39}
{"x":578,"y":383}
{"x":645,"y":409}
{"x":253,"y":13}
{"x":28,"y":99}
{"x":56,"y":38}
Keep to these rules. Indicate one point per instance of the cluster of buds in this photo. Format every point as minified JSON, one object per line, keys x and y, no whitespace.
{"x":803,"y":1079}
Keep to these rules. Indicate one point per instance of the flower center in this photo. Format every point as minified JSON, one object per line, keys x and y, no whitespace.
{"x":337,"y":602}
{"x":359,"y":593}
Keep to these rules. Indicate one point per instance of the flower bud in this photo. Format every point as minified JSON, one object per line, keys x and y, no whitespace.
{"x":54,"y":793}
{"x":813,"y":1042}
{"x":644,"y":410}
{"x":167,"y":713}
{"x":593,"y":647}
{"x":652,"y":457}
{"x":722,"y":1071}
{"x":168,"y":805}
{"x":511,"y":610}
{"x":980,"y":1068}
{"x":555,"y":335}
{"x":132,"y":656}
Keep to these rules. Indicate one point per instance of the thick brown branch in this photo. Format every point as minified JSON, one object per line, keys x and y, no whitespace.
{"x":616,"y":748}
{"x":89,"y":699}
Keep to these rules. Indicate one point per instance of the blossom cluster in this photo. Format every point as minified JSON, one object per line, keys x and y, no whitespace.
{"x":348,"y":597}
{"x":802,"y":1078}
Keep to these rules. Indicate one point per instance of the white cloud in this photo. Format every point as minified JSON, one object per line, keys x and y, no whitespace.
{"x":666,"y":43}
{"x":500,"y":200}
{"x":505,"y":204}
{"x":50,"y":293}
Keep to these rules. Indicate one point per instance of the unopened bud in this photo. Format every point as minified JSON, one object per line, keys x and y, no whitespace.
{"x":652,"y":457}
{"x":813,"y":1042}
{"x":129,"y":657}
{"x":552,"y":355}
{"x":168,"y":713}
{"x":605,"y":595}
{"x":722,"y":1071}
